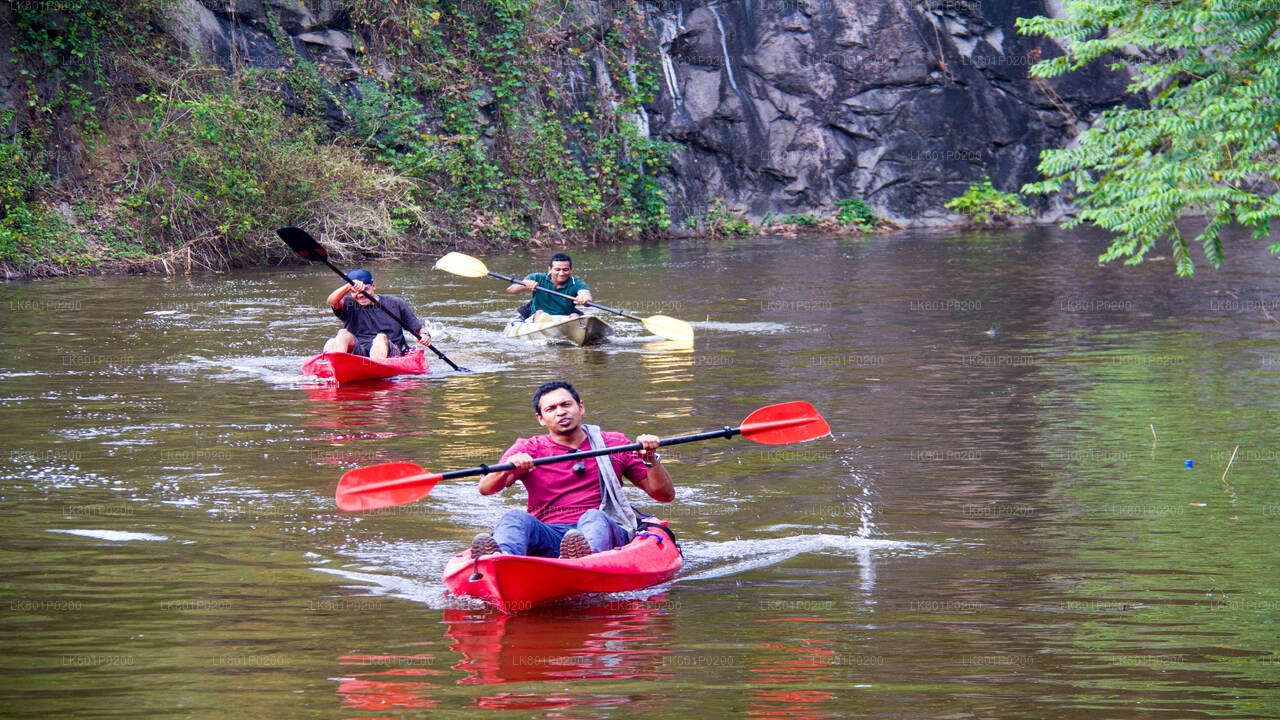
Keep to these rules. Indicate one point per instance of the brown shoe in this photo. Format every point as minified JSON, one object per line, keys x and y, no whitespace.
{"x":574,"y":545}
{"x":484,"y":544}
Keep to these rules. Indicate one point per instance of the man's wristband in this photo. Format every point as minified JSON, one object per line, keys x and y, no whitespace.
{"x":656,"y":459}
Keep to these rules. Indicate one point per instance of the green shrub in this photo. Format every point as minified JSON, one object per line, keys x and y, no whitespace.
{"x":986,"y":205}
{"x":1202,"y":140}
{"x":718,"y":220}
{"x":462,"y":126}
{"x":26,"y":225}
{"x":856,"y":212}
{"x":801,"y":219}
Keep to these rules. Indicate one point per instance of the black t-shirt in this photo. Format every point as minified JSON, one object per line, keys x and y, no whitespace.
{"x":366,"y":321}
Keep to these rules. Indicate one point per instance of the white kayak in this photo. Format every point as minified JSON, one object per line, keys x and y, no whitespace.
{"x":579,"y":330}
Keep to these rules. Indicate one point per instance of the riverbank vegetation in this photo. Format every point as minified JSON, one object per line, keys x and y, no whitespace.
{"x":852,"y":215}
{"x":499,"y":122}
{"x":132,"y":154}
{"x":163,"y":162}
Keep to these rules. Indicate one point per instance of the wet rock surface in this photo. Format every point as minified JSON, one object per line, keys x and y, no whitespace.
{"x":785,"y":106}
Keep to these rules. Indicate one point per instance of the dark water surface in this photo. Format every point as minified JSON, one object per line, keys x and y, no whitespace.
{"x":1003,"y":525}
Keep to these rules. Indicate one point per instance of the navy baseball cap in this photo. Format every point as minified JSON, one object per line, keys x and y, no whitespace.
{"x":361,"y":275}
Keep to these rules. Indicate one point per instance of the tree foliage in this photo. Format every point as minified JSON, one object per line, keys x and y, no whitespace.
{"x":1207,"y":142}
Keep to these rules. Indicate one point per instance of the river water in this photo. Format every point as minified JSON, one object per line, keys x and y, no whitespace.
{"x":1022,"y":510}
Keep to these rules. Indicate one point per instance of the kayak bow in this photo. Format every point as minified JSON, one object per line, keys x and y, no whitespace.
{"x":347,"y":367}
{"x":513,"y":583}
{"x":579,"y":330}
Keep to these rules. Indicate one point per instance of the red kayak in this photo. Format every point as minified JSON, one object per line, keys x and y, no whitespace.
{"x":345,"y":367}
{"x":518,"y":582}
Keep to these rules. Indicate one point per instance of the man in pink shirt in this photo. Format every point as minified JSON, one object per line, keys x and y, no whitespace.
{"x":572,"y":511}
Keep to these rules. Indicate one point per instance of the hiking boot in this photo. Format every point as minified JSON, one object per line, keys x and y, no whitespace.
{"x":484,"y":544}
{"x":574,"y":545}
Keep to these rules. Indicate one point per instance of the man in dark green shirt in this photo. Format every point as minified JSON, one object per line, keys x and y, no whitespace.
{"x":559,"y":277}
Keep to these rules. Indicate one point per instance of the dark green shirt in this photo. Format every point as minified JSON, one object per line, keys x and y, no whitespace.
{"x":551,"y":304}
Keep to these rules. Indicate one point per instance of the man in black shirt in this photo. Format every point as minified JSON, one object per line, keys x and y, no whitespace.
{"x":366,"y":330}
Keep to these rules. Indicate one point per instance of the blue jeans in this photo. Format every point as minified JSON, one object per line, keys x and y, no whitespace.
{"x":520,"y":533}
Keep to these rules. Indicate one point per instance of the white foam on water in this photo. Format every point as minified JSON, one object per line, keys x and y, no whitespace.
{"x":746,"y":328}
{"x":430,"y":593}
{"x":113,"y":535}
{"x":275,"y":370}
{"x":84,"y":434}
{"x":377,"y":584}
{"x":736,"y":556}
{"x":467,"y":508}
{"x":412,"y":570}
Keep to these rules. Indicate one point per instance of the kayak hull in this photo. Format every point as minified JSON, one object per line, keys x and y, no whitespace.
{"x":513,"y":583}
{"x":579,"y":330}
{"x":347,"y":367}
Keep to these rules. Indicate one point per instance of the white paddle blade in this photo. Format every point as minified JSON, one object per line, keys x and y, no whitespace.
{"x":670,"y":328}
{"x":460,"y":264}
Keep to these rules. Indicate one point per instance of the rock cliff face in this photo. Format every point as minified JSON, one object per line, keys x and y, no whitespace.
{"x":781,"y":106}
{"x":785,"y":106}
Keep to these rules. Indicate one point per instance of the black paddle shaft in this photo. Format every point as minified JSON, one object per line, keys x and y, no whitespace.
{"x":511,"y":279}
{"x":301,"y":242}
{"x":726,"y":432}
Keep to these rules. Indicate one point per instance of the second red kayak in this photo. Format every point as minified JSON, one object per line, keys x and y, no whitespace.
{"x":513,"y":583}
{"x":346,"y":367}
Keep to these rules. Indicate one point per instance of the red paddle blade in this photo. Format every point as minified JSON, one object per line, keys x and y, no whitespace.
{"x":784,"y":423}
{"x":382,"y":486}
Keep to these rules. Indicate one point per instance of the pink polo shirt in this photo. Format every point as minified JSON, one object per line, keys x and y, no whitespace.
{"x":559,"y":495}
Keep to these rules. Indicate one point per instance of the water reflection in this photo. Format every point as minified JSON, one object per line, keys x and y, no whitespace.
{"x":667,"y":353}
{"x":618,"y":639}
{"x":803,"y":652}
{"x":352,"y":418}
{"x":359,"y":691}
{"x":361,"y":403}
{"x":621,"y":639}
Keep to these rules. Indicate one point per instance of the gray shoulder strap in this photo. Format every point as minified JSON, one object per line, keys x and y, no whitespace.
{"x":613,"y":502}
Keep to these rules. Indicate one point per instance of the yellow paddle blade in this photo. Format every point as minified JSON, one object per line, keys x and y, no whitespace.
{"x":460,"y":264}
{"x":670,"y":328}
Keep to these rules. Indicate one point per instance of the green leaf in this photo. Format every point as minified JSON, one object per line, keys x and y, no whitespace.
{"x":1200,"y":134}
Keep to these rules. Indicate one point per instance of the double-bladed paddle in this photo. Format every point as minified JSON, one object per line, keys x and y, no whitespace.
{"x":400,"y":483}
{"x":661,"y":325}
{"x":301,"y":242}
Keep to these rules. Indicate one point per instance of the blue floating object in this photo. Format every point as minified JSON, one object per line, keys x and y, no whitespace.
{"x":1190,"y":463}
